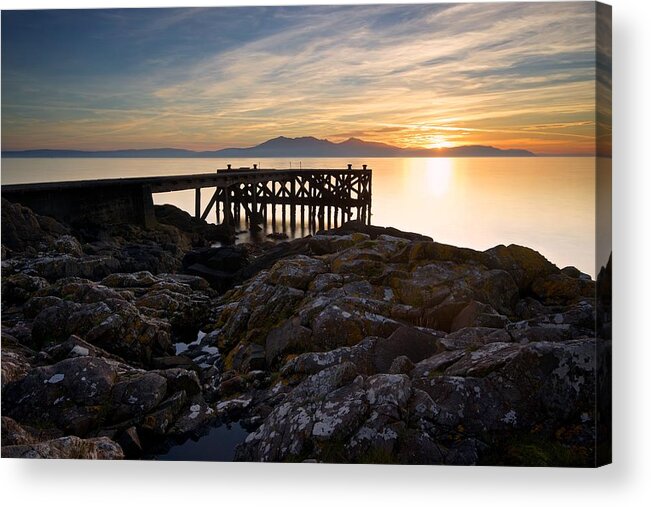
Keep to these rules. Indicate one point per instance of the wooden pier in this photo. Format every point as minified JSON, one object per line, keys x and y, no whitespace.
{"x":313,"y":198}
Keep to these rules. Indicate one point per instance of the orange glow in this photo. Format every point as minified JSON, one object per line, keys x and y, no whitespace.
{"x":439,"y":142}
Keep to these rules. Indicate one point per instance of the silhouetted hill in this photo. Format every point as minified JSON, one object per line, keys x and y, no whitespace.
{"x":279,"y":147}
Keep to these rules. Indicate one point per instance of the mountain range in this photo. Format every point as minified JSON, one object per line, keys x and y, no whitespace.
{"x":278,"y":147}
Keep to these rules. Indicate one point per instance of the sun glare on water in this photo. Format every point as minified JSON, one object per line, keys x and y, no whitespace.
{"x":439,"y":176}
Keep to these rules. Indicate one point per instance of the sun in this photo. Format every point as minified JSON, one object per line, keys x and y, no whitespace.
{"x":438,"y":142}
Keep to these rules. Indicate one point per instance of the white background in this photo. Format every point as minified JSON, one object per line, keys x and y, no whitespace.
{"x":626,"y":482}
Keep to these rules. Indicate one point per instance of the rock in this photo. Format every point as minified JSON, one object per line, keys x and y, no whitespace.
{"x":436,"y":364}
{"x":528,"y":308}
{"x":562,"y":289}
{"x":194,"y":417}
{"x":322,"y":244}
{"x":247,"y":357}
{"x":233,"y":385}
{"x":76,"y":347}
{"x":129,"y":441}
{"x":478,"y":315}
{"x":67,"y":244}
{"x":286,"y":338}
{"x":573,"y":272}
{"x":219,"y":266}
{"x":199,"y":231}
{"x":364,"y":345}
{"x":324,"y":282}
{"x":70,"y":447}
{"x":194,"y":282}
{"x":18,"y":288}
{"x":577,"y":321}
{"x":504,"y":386}
{"x":166,"y":362}
{"x":325,"y":381}
{"x":296,"y":272}
{"x":401,"y":364}
{"x":376,"y":441}
{"x":405,"y":341}
{"x":232,"y":409}
{"x":441,"y":316}
{"x":15,"y":434}
{"x":82,"y":394}
{"x":140,"y":279}
{"x":15,"y":362}
{"x":464,"y":453}
{"x":524,"y":264}
{"x":346,"y":322}
{"x":484,"y":360}
{"x":113,"y":324}
{"x":325,"y":398}
{"x":429,"y":251}
{"x":160,"y":421}
{"x":135,"y":394}
{"x":473,"y":337}
{"x":278,"y":236}
{"x":361,"y":355}
{"x":67,"y":395}
{"x":340,"y":412}
{"x":66,"y":265}
{"x":373,"y":231}
{"x":365,"y":262}
{"x":22,"y":228}
{"x":418,"y":448}
{"x":388,"y":389}
{"x":180,"y":379}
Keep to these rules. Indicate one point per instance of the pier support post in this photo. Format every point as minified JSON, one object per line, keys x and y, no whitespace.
{"x":292,"y":206}
{"x":197,"y":202}
{"x":255,"y":219}
{"x":227,"y":206}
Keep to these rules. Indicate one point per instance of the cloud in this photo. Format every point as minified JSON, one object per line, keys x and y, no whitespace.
{"x":500,"y":72}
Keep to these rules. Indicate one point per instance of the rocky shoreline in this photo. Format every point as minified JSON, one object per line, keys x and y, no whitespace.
{"x":361,"y":344}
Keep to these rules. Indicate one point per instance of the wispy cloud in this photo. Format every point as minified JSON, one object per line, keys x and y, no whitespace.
{"x":498,"y":74}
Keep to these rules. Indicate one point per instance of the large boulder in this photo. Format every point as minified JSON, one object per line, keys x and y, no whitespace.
{"x":69,"y":447}
{"x":199,"y":231}
{"x":20,"y":287}
{"x":524,"y":264}
{"x":81,"y":395}
{"x":22,"y":228}
{"x":107,"y":318}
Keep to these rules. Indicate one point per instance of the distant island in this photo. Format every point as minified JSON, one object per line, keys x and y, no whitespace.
{"x":309,"y":147}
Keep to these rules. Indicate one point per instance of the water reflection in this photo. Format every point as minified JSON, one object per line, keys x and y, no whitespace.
{"x":545,"y":203}
{"x":217,"y":444}
{"x":438,"y":176}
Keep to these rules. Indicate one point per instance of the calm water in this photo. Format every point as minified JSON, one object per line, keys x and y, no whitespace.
{"x":545,"y":203}
{"x":217,"y":445}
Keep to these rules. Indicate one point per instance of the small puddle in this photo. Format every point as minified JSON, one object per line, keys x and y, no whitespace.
{"x":217,"y":445}
{"x":181,"y":347}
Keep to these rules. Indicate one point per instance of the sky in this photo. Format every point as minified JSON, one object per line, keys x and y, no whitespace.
{"x":510,"y":75}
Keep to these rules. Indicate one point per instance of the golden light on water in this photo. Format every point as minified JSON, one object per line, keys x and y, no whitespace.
{"x":547,"y":204}
{"x":438,"y":176}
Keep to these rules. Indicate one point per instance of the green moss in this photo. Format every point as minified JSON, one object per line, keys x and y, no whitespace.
{"x":526,"y":449}
{"x":378,"y":457}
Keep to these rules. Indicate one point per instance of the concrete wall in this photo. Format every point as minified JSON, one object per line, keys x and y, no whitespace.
{"x":102,"y":205}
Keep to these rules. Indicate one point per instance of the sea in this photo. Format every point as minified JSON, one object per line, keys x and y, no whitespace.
{"x":545,"y":203}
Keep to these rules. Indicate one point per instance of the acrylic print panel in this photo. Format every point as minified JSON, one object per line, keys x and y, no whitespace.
{"x":334,"y":234}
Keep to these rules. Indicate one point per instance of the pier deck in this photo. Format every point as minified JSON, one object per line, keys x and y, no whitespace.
{"x":321,"y":195}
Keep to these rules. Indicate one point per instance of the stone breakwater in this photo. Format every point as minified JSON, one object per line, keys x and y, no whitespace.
{"x":364,"y":345}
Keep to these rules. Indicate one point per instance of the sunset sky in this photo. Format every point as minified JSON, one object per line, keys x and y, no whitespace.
{"x":510,"y":75}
